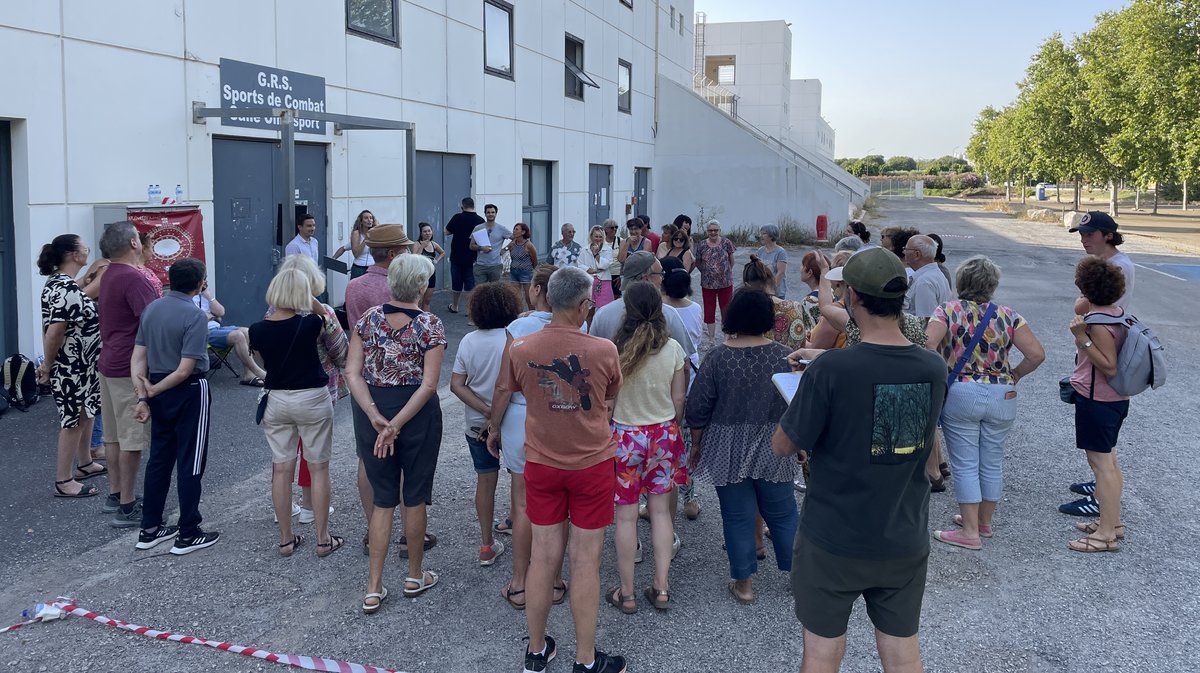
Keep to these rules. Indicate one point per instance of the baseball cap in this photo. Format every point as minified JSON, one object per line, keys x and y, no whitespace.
{"x":387,"y":236}
{"x":876,"y":272}
{"x":1095,"y":220}
{"x":834,"y":274}
{"x":638,"y":264}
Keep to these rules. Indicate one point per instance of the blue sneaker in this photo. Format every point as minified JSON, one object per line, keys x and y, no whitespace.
{"x":1084,"y":488}
{"x":1085,"y":506}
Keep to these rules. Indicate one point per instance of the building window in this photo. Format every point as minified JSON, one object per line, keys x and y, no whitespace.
{"x":627,"y":3}
{"x":577,"y":79}
{"x":624,"y":86}
{"x":375,"y":19}
{"x":720,"y":69}
{"x":536,"y":210}
{"x":498,"y":38}
{"x":681,"y":23}
{"x":672,"y":15}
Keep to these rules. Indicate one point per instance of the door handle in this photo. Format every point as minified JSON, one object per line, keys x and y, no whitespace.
{"x":276,"y":257}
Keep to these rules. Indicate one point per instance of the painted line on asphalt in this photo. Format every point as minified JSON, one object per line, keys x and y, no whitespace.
{"x":1157,"y":271}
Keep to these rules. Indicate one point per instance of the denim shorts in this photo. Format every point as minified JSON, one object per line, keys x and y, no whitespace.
{"x":521,"y":275}
{"x":485,"y":463}
{"x":218,"y":337}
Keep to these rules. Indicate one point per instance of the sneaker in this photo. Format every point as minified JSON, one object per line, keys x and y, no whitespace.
{"x":603,"y":663}
{"x":296,"y":509}
{"x":1085,"y":506}
{"x":153,"y":538}
{"x":637,"y":555}
{"x":675,"y":545}
{"x":691,"y":509}
{"x":1084,"y":488}
{"x":536,"y":663}
{"x":306,"y":515}
{"x":488,"y":555}
{"x":130,"y":519}
{"x":187,"y":545}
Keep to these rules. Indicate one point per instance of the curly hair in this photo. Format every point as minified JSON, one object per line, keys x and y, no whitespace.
{"x":1099,"y":280}
{"x":757,"y":275}
{"x":494,"y":305}
{"x":900,"y":239}
{"x":644,"y":328}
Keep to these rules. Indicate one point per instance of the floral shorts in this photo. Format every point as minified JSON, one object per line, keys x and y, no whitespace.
{"x":650,"y":458}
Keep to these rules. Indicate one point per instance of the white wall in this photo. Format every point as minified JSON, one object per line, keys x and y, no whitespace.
{"x":762,"y":70}
{"x":732,"y":170}
{"x":809,"y":129}
{"x":102,"y":96}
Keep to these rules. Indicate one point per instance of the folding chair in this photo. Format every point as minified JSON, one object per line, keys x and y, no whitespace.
{"x":218,"y":357}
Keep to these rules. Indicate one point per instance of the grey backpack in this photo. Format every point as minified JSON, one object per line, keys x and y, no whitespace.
{"x":1141,"y":364}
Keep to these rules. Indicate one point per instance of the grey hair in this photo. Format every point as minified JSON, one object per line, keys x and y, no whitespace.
{"x":924,"y":245}
{"x":852,"y":243}
{"x":408,"y":277}
{"x":565,"y":225}
{"x":770,"y":230}
{"x":610,"y":222}
{"x":114,"y":242}
{"x":976,"y":279}
{"x":716,"y":222}
{"x":379,"y":254}
{"x":567,"y":287}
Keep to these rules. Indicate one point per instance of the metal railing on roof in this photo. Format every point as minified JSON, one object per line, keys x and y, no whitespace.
{"x":718,"y":96}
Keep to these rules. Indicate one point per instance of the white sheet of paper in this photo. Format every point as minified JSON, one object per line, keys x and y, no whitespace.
{"x":481,"y":238}
{"x":786,"y":383}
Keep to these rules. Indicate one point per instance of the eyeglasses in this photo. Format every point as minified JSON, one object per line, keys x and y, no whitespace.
{"x":613,"y":228}
{"x":714,"y":231}
{"x":591,"y":303}
{"x":655,"y":273}
{"x":909,"y":250}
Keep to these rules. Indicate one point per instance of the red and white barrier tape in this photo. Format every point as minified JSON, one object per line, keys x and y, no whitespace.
{"x":308,"y":663}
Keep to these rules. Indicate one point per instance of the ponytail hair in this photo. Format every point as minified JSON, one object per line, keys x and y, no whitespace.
{"x":644,"y":328}
{"x":54,"y":252}
{"x":859,"y":229}
{"x":809,"y":263}
{"x":756,"y":275}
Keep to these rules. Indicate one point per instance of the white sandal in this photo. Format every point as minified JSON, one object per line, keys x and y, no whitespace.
{"x":369,"y":608}
{"x":422,"y":585}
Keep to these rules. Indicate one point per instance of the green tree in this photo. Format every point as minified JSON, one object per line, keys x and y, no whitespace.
{"x":900,"y":164}
{"x":872,"y":164}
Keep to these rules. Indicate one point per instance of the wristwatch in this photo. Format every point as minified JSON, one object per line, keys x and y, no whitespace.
{"x":1087,"y":344}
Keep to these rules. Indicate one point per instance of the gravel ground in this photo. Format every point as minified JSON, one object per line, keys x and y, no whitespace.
{"x":1022,"y":604}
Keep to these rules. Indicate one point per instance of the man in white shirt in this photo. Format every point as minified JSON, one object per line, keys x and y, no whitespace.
{"x":305,"y":243}
{"x":1099,"y":236}
{"x":928,"y":288}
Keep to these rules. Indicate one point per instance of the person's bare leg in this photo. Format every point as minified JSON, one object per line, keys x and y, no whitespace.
{"x":319,"y":499}
{"x":662,"y":533}
{"x":521,"y":534}
{"x":485,"y":505}
{"x":83,"y":441}
{"x":822,"y":655}
{"x":899,"y":655}
{"x":525,"y":296}
{"x":281,"y":497}
{"x":130,"y":462}
{"x":454,"y":302}
{"x":68,"y":445}
{"x":987,"y":509}
{"x":381,"y":536}
{"x":625,"y":540}
{"x":240,"y":340}
{"x":414,"y":530}
{"x":970,"y":518}
{"x":366,"y":494}
{"x":112,"y":458}
{"x":933,"y":463}
{"x":586,"y":545}
{"x":1109,"y":482}
{"x":545,"y":562}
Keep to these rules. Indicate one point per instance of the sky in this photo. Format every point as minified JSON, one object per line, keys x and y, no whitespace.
{"x":909,"y":78}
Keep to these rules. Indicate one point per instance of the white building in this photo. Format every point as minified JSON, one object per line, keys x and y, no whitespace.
{"x":97,"y":102}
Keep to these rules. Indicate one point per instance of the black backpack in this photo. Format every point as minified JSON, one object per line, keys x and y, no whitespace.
{"x":20,"y":382}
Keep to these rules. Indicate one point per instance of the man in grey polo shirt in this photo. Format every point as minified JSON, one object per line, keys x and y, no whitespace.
{"x":488,"y":266}
{"x":170,"y":358}
{"x":641,"y":265}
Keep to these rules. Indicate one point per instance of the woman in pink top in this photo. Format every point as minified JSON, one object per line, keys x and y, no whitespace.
{"x":147,"y":255}
{"x":1099,"y":410}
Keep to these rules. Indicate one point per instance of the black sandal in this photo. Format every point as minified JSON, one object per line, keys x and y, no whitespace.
{"x":335,"y":543}
{"x":430,"y":542}
{"x":297,"y":540}
{"x":82,"y":474}
{"x":84,"y":490}
{"x":563,"y":588}
{"x":508,"y":594}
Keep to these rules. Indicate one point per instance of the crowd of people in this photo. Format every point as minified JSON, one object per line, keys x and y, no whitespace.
{"x":603,"y":346}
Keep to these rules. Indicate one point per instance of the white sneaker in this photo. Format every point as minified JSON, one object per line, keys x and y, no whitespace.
{"x":306,"y":515}
{"x":675,"y":545}
{"x":295,"y":512}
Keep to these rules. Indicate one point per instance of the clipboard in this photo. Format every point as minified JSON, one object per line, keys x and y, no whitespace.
{"x":787,"y":383}
{"x":334,"y":264}
{"x":480,"y":236}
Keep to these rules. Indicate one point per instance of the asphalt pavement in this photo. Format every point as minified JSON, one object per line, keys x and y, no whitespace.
{"x":1024,"y":603}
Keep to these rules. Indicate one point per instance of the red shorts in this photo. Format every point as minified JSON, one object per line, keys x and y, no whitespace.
{"x":551,"y":494}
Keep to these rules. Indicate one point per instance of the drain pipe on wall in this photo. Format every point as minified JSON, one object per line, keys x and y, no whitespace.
{"x":657,"y":18}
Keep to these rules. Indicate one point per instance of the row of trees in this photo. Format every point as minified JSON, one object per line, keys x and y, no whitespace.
{"x":875,"y":164}
{"x":1119,"y":102}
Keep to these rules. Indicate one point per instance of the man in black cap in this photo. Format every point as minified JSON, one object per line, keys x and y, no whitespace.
{"x":864,"y":528}
{"x":1099,"y":236}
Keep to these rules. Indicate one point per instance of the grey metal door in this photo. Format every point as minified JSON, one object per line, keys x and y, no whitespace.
{"x":441,"y":182}
{"x":8,"y":270}
{"x":641,"y":190}
{"x":246,"y":209}
{"x":600,"y":192}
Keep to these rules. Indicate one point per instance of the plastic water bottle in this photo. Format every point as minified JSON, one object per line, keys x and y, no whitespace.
{"x":150,"y":194}
{"x":178,"y":193}
{"x":158,"y":194}
{"x":44,"y":612}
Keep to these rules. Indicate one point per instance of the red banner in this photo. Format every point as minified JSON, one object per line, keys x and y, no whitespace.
{"x":174,"y":234}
